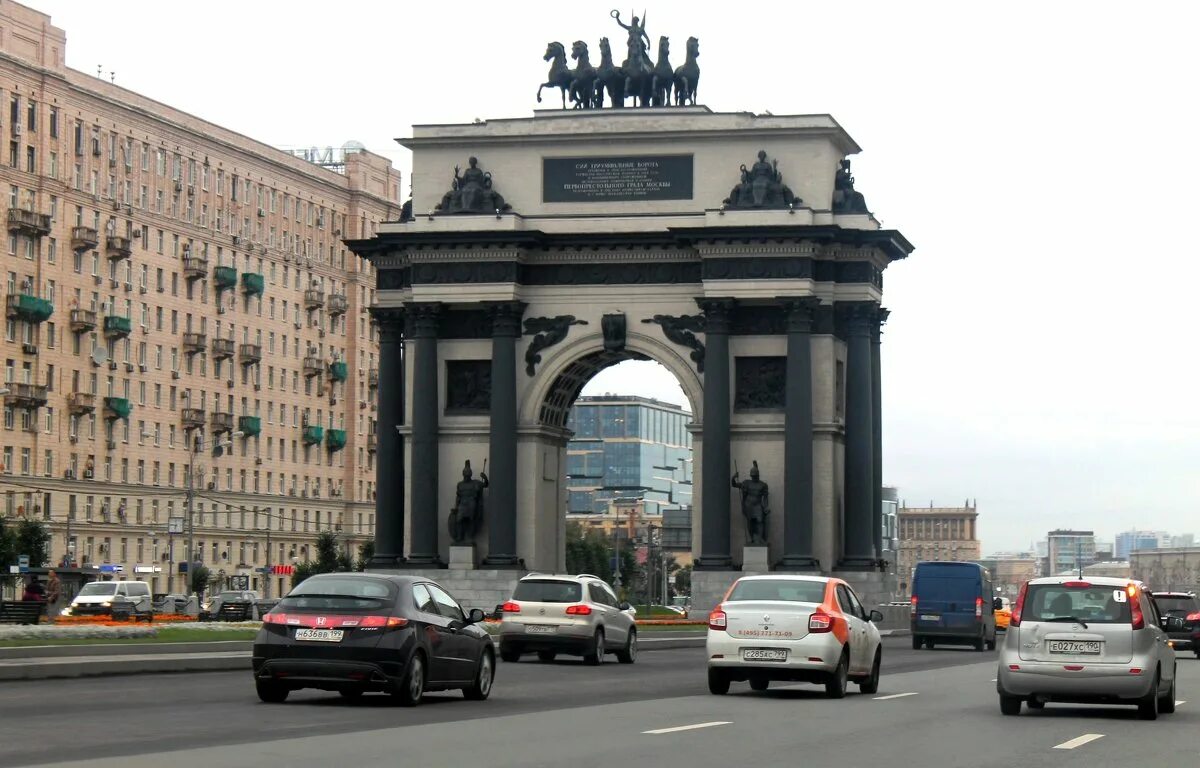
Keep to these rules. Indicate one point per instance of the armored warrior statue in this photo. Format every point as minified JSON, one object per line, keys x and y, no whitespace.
{"x":467,"y":513}
{"x":754,"y":506}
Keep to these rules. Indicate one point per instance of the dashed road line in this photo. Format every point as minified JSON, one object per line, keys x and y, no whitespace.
{"x":693,"y":727}
{"x":894,"y":696}
{"x":1180,"y":702}
{"x":1079,"y":741}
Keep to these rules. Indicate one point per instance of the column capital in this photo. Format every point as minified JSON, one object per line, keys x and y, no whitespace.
{"x":390,"y":321}
{"x":799,"y":312}
{"x":718,"y":314}
{"x":425,"y":316}
{"x":506,"y":317}
{"x":861,"y":318}
{"x":881,"y":316}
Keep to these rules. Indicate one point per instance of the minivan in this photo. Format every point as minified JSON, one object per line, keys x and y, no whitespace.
{"x":952,"y":603}
{"x":98,"y":597}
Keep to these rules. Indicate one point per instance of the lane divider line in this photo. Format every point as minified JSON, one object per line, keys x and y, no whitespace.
{"x":1079,"y":741}
{"x":894,"y":696}
{"x":1179,"y":703}
{"x":694,"y":727}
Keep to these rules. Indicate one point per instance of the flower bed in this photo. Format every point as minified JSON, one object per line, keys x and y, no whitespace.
{"x":112,"y":630}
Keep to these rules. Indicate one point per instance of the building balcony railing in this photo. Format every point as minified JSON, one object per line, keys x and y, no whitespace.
{"x":118,"y":247}
{"x":26,"y":396}
{"x":372,"y":443}
{"x":193,"y":418}
{"x":83,"y":320}
{"x":117,"y":408}
{"x":194,"y":343}
{"x":314,"y":298}
{"x":81,"y":402}
{"x":225,"y":277}
{"x":250,"y":353}
{"x":195,"y":268}
{"x":313,"y":435}
{"x":250,"y":425}
{"x":312,"y":366}
{"x":29,"y":308}
{"x":338,"y":304}
{"x":84,"y":238}
{"x":222,"y":422}
{"x":252,"y":284}
{"x":222,"y":349}
{"x":335,"y":439}
{"x":373,"y":378}
{"x":26,"y":222}
{"x":338,"y":371}
{"x":117,"y":327}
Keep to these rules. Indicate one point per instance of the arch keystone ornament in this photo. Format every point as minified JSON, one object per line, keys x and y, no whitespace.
{"x":624,"y":242}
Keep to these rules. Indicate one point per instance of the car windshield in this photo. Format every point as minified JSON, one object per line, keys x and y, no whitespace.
{"x":97,"y":589}
{"x":794,"y":591}
{"x":1094,"y":604}
{"x":344,"y":593}
{"x":1180,"y":605}
{"x":548,"y":591}
{"x":230,"y":596}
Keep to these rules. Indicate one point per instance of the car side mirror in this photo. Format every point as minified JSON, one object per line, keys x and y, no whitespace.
{"x":876,"y":616}
{"x":997,"y":604}
{"x":475,"y":616}
{"x":625,"y":606}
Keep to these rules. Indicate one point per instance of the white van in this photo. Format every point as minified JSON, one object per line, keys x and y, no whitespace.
{"x":97,"y":598}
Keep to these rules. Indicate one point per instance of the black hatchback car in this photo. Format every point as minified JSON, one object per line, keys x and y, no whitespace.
{"x":358,"y":632}
{"x":1186,"y":606}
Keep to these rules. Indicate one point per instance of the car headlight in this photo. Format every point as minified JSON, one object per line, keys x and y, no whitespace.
{"x":106,"y":604}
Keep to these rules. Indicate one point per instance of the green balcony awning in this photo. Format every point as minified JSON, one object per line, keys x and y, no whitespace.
{"x":335,"y":439}
{"x":338,"y":371}
{"x":117,"y":408}
{"x":115,"y":324}
{"x":252,"y":283}
{"x":250,"y":425}
{"x":313,"y":435}
{"x":225,"y":277}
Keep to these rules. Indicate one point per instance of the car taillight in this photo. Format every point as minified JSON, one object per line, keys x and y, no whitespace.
{"x":979,"y":607}
{"x":912,"y":606}
{"x":1135,"y":606}
{"x":1015,"y":619}
{"x":820,"y":622}
{"x":389,"y":622}
{"x":274,"y":618}
{"x":717,"y":620}
{"x":1194,"y":616}
{"x":579,"y":610}
{"x":510,"y":607}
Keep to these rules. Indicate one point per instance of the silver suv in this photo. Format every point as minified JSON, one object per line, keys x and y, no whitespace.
{"x":1094,"y":640}
{"x":578,"y":615}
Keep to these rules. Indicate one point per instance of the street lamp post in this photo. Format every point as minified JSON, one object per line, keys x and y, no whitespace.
{"x":194,"y":447}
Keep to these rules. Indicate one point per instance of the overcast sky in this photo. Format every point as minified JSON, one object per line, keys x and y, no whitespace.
{"x":1042,"y":157}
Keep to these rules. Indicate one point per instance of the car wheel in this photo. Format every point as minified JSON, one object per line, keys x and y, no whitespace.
{"x":929,"y":643}
{"x":479,"y":690}
{"x":412,"y":687}
{"x":1148,"y":704}
{"x":1166,"y":703}
{"x":759,"y":683}
{"x":271,"y":693}
{"x":1033,"y":702}
{"x":1010,"y":705}
{"x":547,"y":655}
{"x":718,"y":682}
{"x":509,"y":654}
{"x":991,"y":644}
{"x":980,"y":644}
{"x":917,"y":642}
{"x":596,"y":655}
{"x":871,"y":684}
{"x":628,"y":654}
{"x":835,"y":685}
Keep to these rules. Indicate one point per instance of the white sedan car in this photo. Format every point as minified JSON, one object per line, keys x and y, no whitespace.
{"x":807,"y":629}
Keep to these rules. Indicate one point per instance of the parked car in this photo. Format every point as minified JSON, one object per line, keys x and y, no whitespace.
{"x":1186,"y":606}
{"x":578,"y":615}
{"x":952,"y":603}
{"x":242,"y":598}
{"x":356,"y":632}
{"x":98,"y":598}
{"x":1098,"y":641}
{"x":809,"y":629}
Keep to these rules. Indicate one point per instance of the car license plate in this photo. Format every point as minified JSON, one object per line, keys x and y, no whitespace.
{"x":541,"y":629}
{"x":320,"y":635}
{"x":930,"y":617}
{"x":764,"y":654}
{"x":1075,"y":646}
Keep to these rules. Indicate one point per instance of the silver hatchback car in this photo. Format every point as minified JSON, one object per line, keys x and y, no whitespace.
{"x":579,"y":615}
{"x":1095,"y":640}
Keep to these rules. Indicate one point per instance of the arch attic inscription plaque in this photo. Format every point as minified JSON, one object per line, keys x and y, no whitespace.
{"x":609,"y":179}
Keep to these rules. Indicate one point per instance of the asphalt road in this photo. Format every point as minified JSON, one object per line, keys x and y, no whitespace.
{"x":943,"y":713}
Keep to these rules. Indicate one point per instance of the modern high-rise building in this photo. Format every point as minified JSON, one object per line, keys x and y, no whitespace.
{"x":935,"y":533}
{"x":170,"y":281}
{"x":1135,"y":540}
{"x":1068,"y":551}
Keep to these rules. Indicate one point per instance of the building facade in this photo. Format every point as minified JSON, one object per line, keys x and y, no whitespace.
{"x":1168,"y":569}
{"x":1068,"y":550}
{"x":1132,"y":541}
{"x":935,"y":533}
{"x":173,"y":286}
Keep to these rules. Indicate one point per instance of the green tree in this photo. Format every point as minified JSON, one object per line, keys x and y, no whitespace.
{"x":200,"y":578}
{"x":366,"y":551}
{"x":683,"y":580}
{"x":330,"y":559}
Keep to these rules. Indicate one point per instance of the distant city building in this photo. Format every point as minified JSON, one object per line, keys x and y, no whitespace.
{"x":1011,"y":569}
{"x":935,"y":533}
{"x":1167,"y":569}
{"x":1135,"y":540}
{"x":1182,"y":540}
{"x":1117,"y":569}
{"x":891,"y":536}
{"x":1068,"y":550}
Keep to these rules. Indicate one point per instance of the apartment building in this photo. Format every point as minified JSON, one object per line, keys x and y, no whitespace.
{"x":935,"y":533}
{"x":180,"y":313}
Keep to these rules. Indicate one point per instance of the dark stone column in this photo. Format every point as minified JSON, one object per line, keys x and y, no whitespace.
{"x":502,"y":490}
{"x":877,"y":435}
{"x":715,"y":493}
{"x":798,"y":437}
{"x":425,"y":480}
{"x":389,"y":452}
{"x":858,"y":548}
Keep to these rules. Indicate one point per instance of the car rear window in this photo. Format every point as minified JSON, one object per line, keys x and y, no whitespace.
{"x":1180,"y":605}
{"x":1093,"y":604}
{"x":548,"y":591}
{"x":959,"y":589}
{"x":778,"y":589}
{"x":344,"y":593}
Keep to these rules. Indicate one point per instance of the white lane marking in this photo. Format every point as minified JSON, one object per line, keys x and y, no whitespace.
{"x":1180,"y":703}
{"x":679,"y":728}
{"x":992,"y":680}
{"x":894,"y":696}
{"x":1079,"y":741}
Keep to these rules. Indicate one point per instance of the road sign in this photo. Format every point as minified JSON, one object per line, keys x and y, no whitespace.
{"x":23,"y":561}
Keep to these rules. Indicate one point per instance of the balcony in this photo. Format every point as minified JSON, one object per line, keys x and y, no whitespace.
{"x":29,"y":308}
{"x":84,"y":238}
{"x":312,"y":366}
{"x":250,"y":425}
{"x":29,"y":223}
{"x":28,"y":396}
{"x":193,"y":418}
{"x":117,"y":408}
{"x":117,"y":327}
{"x":83,"y":320}
{"x":118,"y":247}
{"x":195,"y":268}
{"x":252,"y":284}
{"x":335,"y":439}
{"x":313,"y":435}
{"x":373,"y":378}
{"x":314,"y":298}
{"x":372,"y":443}
{"x":80,"y":403}
{"x":250,"y":353}
{"x":338,"y":371}
{"x":194,"y":342}
{"x":225,"y":277}
{"x":222,"y":349}
{"x":222,"y":422}
{"x":338,"y":304}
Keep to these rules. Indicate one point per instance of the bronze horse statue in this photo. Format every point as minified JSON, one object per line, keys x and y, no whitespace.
{"x":560,"y":75}
{"x":639,"y":75}
{"x":663,"y":77}
{"x":609,"y":78}
{"x":583,"y":78}
{"x":687,"y":76}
